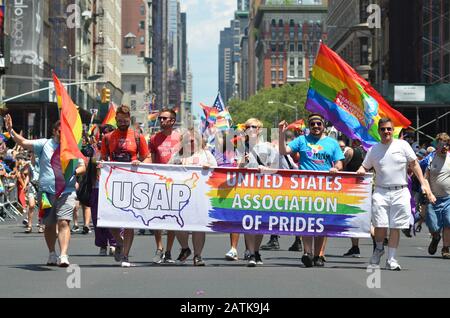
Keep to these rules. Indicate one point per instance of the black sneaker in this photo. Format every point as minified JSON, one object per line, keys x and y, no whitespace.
{"x":86,"y":230}
{"x":307,"y":260}
{"x":251,"y":261}
{"x":432,"y":249}
{"x":184,"y":254}
{"x":258,"y":259}
{"x":141,"y":232}
{"x":318,"y":261}
{"x":273,"y":244}
{"x":353,"y":252}
{"x":168,"y":258}
{"x":407,"y":232}
{"x":198,"y":261}
{"x":75,"y":229}
{"x":296,"y":246}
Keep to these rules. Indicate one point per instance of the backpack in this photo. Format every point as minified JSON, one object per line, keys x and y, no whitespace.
{"x":85,"y":185}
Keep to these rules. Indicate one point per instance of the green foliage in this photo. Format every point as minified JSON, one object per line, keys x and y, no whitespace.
{"x":258,"y":105}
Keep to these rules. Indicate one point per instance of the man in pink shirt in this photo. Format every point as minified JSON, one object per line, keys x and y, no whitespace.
{"x":163,"y":145}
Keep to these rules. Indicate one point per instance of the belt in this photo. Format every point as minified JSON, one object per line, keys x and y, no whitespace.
{"x":393,"y":187}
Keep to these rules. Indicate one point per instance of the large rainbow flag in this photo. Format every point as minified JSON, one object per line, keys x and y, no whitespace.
{"x":110,"y":118}
{"x":347,"y":100}
{"x":71,"y":134}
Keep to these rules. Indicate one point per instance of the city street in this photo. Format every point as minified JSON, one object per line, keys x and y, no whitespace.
{"x":23,"y":272}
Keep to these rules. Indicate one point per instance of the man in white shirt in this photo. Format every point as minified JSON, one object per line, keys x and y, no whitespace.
{"x":391,"y":207}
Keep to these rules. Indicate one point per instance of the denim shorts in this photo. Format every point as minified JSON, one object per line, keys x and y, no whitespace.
{"x":438,"y":215}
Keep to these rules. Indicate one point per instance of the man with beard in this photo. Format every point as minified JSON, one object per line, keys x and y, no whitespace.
{"x":124,"y":145}
{"x":317,"y":153}
{"x":162,"y":146}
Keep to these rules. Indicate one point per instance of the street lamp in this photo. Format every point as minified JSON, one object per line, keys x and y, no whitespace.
{"x":271,"y":102}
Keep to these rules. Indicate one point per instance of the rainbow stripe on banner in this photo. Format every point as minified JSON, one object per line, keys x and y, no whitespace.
{"x":348,"y":101}
{"x":166,"y":197}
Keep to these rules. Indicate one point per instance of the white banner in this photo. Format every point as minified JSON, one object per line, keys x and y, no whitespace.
{"x":165,"y":197}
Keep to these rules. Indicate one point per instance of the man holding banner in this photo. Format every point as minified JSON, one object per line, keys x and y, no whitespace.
{"x":391,"y":207}
{"x":317,"y":153}
{"x":124,"y":145}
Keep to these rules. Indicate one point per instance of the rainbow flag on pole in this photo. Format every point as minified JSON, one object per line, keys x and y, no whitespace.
{"x":347,"y":100}
{"x":71,"y":134}
{"x":110,"y":118}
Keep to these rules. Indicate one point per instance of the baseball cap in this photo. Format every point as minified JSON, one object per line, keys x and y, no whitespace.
{"x":422,"y":153}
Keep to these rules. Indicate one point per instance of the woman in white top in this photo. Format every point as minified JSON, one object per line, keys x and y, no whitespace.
{"x":192,"y":153}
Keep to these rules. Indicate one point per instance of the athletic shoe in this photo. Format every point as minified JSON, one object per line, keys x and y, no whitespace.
{"x":103,"y":251}
{"x":318,"y":261}
{"x":296,"y":246}
{"x":247,"y":255}
{"x":353,"y":252}
{"x":52,"y":259}
{"x":159,"y":257}
{"x":393,"y":265}
{"x":445,"y":253}
{"x":168,"y":258}
{"x":75,"y":229}
{"x":63,"y":261}
{"x":232,"y":255}
{"x":125,"y":262}
{"x":307,"y":260}
{"x":86,"y":230}
{"x":251,"y":261}
{"x":184,"y":254}
{"x":118,"y":254}
{"x":258,"y":259}
{"x":376,"y":257}
{"x":432,"y":249}
{"x":273,"y":244}
{"x":198,"y":261}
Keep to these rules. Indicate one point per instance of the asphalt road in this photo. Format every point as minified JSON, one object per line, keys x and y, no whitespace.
{"x":23,"y":272}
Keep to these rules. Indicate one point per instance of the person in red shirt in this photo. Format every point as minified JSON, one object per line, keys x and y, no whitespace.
{"x":124,"y":145}
{"x":162,"y":146}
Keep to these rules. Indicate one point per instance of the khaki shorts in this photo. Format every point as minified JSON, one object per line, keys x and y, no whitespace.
{"x":391,"y":208}
{"x":62,"y":209}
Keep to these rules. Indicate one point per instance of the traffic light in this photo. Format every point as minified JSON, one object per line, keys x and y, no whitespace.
{"x":106,"y":95}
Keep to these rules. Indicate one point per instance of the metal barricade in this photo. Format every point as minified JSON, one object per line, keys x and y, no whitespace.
{"x":9,"y":203}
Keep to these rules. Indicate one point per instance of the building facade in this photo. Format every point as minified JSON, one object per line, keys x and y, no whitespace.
{"x":287,"y":40}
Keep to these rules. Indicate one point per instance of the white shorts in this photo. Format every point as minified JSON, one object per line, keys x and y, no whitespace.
{"x":391,"y":208}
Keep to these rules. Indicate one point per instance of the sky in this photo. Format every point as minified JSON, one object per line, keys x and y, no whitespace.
{"x":206,"y":18}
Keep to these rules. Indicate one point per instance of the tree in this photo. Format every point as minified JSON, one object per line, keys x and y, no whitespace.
{"x":258,"y":105}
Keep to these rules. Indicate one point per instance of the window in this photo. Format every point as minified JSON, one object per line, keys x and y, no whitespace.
{"x":133,"y":89}
{"x":274,"y":76}
{"x":300,"y":67}
{"x":142,"y":25}
{"x":280,"y":23}
{"x":273,"y":47}
{"x":142,"y":10}
{"x":300,"y":47}
{"x":274,"y":22}
{"x":281,"y":60}
{"x":364,"y":51}
{"x":292,"y":47}
{"x":133,"y":106}
{"x":274,"y":61}
{"x":281,"y":47}
{"x":281,"y":75}
{"x":142,"y":54}
{"x":142,"y":40}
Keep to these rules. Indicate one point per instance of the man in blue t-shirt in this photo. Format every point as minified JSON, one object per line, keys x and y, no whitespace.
{"x":53,"y":187}
{"x":317,"y":153}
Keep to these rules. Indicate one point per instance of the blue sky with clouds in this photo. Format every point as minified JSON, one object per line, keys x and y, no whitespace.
{"x":206,"y":18}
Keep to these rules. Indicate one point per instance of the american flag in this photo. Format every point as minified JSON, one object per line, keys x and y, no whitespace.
{"x":219,"y":103}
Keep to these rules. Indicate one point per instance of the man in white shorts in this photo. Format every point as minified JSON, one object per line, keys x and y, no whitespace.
{"x":391,"y":207}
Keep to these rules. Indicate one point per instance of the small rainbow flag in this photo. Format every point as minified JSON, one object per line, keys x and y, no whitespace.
{"x":297,"y":126}
{"x":110,"y":118}
{"x":71,"y":134}
{"x":153,"y":117}
{"x":45,"y":202}
{"x":348,"y":101}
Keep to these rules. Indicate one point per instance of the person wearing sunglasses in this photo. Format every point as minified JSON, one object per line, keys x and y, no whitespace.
{"x":163,"y":145}
{"x":438,"y":216}
{"x":391,"y":200}
{"x":318,"y":152}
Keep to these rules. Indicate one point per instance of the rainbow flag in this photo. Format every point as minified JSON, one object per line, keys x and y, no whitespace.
{"x":297,"y":126}
{"x":71,"y":133}
{"x":152,"y":118}
{"x":348,"y":101}
{"x":110,"y":118}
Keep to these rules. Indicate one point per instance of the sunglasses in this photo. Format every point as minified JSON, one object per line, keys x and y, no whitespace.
{"x":316,"y":123}
{"x":164,"y":118}
{"x":386,"y":129}
{"x":252,"y":127}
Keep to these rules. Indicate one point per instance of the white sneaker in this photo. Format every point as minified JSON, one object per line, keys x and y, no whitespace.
{"x":232,"y":255}
{"x":393,"y":265}
{"x":52,"y":259}
{"x":103,"y":251}
{"x":159,"y":257}
{"x":112,"y":250}
{"x":376,"y":257}
{"x":63,"y":261}
{"x":126,"y":263}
